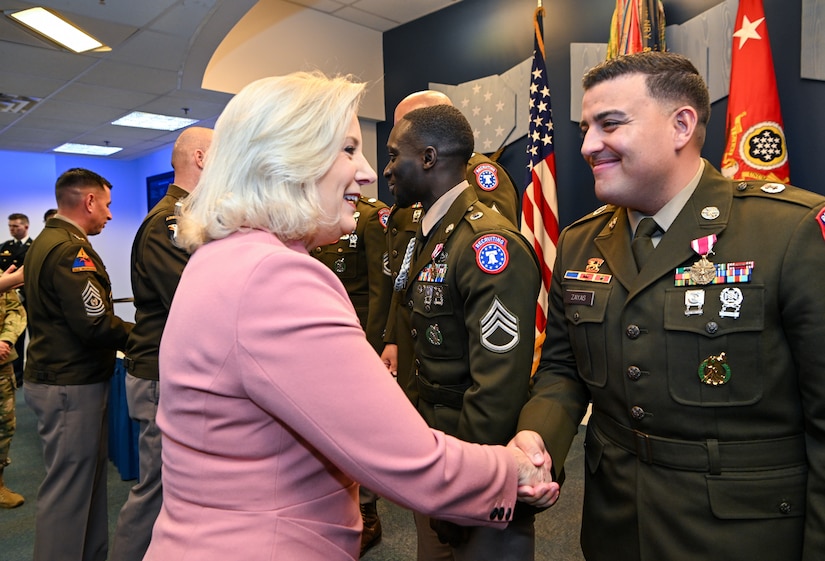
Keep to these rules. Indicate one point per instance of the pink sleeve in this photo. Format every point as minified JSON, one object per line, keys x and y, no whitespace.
{"x":306,"y":360}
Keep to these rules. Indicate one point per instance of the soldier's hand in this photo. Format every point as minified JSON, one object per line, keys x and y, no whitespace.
{"x":536,"y":485}
{"x":390,"y":357}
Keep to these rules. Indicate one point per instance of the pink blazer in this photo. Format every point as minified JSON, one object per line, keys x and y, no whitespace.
{"x":273,"y":404}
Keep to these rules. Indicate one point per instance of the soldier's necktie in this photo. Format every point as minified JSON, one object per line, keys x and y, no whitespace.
{"x":642,"y":244}
{"x":403,"y":273}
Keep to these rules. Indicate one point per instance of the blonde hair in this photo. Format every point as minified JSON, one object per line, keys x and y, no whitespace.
{"x":276,"y":138}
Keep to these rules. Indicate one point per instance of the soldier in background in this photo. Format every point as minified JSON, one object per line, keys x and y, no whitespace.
{"x":157,"y":265}
{"x":493,"y":187}
{"x":13,"y":252}
{"x":360,"y":261}
{"x":70,"y":361}
{"x":469,"y":280}
{"x":12,"y":325}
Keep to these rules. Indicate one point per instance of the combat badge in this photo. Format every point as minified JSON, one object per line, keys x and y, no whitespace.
{"x":714,"y":370}
{"x":491,"y":253}
{"x":499,"y":328}
{"x":486,"y":176}
{"x":82,"y":262}
{"x":93,"y":300}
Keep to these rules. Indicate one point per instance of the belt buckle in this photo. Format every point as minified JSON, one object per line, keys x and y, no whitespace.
{"x":644,"y":448}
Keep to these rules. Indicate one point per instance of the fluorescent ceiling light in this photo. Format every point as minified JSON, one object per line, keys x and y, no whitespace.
{"x":153,"y":121}
{"x":57,"y":29}
{"x":88,"y":149}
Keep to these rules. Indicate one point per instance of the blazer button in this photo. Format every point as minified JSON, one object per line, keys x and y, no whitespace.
{"x":410,"y":304}
{"x":633,"y":331}
{"x":395,"y":253}
{"x":712,"y":327}
{"x":637,"y":413}
{"x":785,"y":507}
{"x":634,"y":373}
{"x":394,"y":231}
{"x":742,"y":186}
{"x":413,"y":333}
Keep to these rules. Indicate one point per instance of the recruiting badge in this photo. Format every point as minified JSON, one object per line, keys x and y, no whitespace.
{"x":384,"y":216}
{"x":486,"y":176}
{"x":491,"y":253}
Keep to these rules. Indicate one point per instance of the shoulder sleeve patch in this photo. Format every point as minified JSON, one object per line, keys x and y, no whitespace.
{"x":486,"y":176}
{"x":491,"y":253}
{"x":82,"y":262}
{"x":820,"y":218}
{"x":384,"y":216}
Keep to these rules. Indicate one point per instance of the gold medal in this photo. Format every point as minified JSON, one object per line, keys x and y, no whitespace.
{"x":714,"y":370}
{"x":703,"y":271}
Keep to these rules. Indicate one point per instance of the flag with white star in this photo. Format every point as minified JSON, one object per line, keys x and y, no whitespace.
{"x":539,"y":213}
{"x":756,"y":146}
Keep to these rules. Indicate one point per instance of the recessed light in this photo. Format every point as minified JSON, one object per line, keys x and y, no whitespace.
{"x":88,"y":149}
{"x":57,"y":29}
{"x":143,"y":120}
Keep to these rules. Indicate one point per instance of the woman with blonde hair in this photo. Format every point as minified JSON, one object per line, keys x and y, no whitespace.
{"x":264,"y":435}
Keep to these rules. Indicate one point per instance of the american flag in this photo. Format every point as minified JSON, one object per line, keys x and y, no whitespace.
{"x":539,"y":218}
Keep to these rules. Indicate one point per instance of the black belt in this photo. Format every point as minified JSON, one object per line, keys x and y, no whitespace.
{"x":709,"y":455}
{"x":451,"y":396}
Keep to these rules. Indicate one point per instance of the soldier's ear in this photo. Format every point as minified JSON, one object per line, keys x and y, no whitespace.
{"x":429,"y":157}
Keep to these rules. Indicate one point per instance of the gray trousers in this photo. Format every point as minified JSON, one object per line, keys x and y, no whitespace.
{"x":515,"y":543}
{"x":71,"y":522}
{"x":137,"y":517}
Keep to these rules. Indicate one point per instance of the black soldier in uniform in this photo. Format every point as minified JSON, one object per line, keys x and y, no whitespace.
{"x":360,"y":261}
{"x":470,"y":282}
{"x":71,"y":357}
{"x":157,"y":265}
{"x":493,"y":187}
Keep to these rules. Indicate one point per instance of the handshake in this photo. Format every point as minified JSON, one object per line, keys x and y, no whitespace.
{"x":535,"y":481}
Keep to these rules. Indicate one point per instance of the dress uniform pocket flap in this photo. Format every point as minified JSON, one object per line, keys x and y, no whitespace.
{"x":759,"y":495}
{"x":715,"y":310}
{"x":585,"y":302}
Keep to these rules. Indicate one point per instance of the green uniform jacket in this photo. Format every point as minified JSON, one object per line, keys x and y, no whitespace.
{"x":359,"y":260}
{"x":157,"y":265}
{"x":402,"y":225}
{"x":678,"y":468}
{"x":472,"y":292}
{"x":73,"y":330}
{"x":12,"y":321}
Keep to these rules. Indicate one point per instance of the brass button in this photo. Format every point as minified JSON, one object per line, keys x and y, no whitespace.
{"x":634,"y":373}
{"x":712,"y":327}
{"x":413,"y":333}
{"x":637,"y":413}
{"x":785,"y":507}
{"x":633,"y":331}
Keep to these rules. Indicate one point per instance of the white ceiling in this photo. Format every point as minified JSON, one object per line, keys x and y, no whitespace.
{"x":160,"y":50}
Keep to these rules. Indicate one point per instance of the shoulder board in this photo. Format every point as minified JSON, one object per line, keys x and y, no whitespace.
{"x":777,"y":191}
{"x":601,"y":212}
{"x":372,"y":202}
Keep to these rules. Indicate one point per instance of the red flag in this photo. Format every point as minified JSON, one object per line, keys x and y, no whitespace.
{"x":539,"y":209}
{"x":756,"y":147}
{"x":637,"y":26}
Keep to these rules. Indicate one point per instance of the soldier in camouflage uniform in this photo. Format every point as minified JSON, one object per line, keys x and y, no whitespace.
{"x":12,"y":324}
